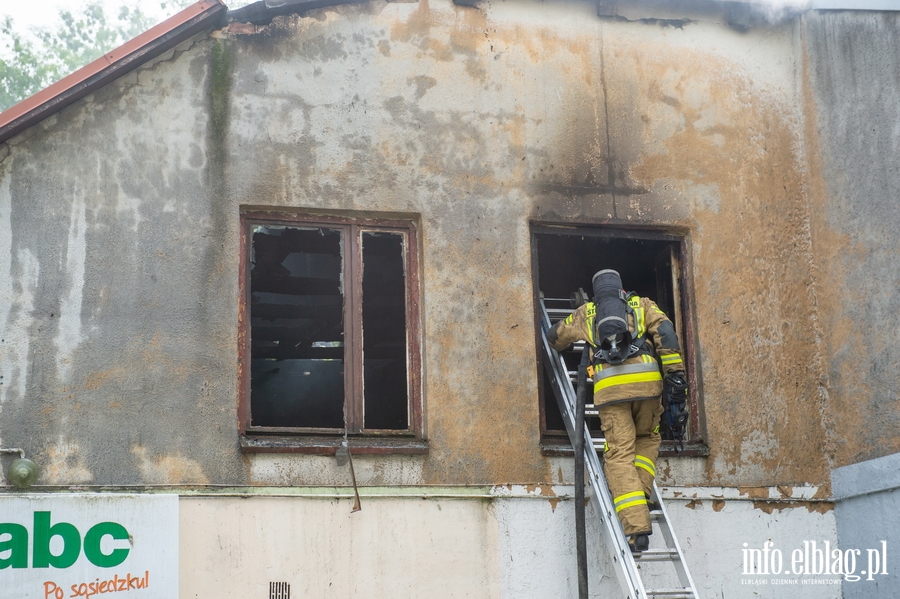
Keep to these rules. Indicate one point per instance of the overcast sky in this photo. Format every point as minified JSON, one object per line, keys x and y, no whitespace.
{"x":27,"y":14}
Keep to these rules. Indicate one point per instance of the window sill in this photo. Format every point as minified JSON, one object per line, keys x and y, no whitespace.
{"x":558,"y":447}
{"x":328,"y":445}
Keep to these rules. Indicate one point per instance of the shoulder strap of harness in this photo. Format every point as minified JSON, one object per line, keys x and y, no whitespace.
{"x":638,"y":342}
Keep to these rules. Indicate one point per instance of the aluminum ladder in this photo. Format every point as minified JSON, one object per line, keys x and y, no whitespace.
{"x":628,"y":566}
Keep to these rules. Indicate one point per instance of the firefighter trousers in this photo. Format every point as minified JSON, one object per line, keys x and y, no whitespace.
{"x":631,"y":429}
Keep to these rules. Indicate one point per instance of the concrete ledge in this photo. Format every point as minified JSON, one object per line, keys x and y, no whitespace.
{"x":779,"y":493}
{"x":864,"y":478}
{"x":553,"y":492}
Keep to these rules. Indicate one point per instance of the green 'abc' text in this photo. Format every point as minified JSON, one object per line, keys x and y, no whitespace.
{"x":17,"y":544}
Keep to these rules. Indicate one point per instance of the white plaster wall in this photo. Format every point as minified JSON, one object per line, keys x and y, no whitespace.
{"x":712,"y":534}
{"x":520,"y":545}
{"x":233,"y":548}
{"x":536,"y":551}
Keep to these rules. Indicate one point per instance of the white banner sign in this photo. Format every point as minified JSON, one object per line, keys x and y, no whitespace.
{"x":89,"y":546}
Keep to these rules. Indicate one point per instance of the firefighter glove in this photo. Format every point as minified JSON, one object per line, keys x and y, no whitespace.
{"x":675,"y":389}
{"x":675,"y":416}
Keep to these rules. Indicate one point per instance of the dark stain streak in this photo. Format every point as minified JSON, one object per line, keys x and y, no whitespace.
{"x":423,"y":83}
{"x":611,"y":174}
{"x":670,"y":101}
{"x":676,"y":23}
{"x":584,"y":190}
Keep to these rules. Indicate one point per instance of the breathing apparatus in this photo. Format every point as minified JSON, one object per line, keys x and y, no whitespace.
{"x":613,"y":339}
{"x":615,"y":342}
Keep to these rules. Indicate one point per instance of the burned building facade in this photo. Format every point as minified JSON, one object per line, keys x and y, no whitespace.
{"x":294,"y":228}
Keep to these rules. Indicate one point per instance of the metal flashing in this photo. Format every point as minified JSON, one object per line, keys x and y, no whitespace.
{"x":866,"y":478}
{"x":262,"y":12}
{"x":874,"y":5}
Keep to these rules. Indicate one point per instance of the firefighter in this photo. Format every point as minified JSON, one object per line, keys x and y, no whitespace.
{"x":634,"y":352}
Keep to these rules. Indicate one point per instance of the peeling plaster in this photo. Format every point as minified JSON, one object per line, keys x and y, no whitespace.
{"x":277,"y":469}
{"x":167,"y":469}
{"x":64,"y":465}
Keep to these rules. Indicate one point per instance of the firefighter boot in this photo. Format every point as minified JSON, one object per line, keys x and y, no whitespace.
{"x":639,"y":543}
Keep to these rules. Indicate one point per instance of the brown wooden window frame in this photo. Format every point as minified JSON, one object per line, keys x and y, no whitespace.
{"x":326,"y":441}
{"x":556,"y":442}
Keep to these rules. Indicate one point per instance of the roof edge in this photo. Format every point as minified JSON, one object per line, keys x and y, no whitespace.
{"x":110,"y":66}
{"x":263,"y":11}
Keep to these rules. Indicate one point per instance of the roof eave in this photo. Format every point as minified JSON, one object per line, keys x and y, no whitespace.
{"x":130,"y":55}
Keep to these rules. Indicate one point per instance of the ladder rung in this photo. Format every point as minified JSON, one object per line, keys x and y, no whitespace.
{"x":684,"y":593}
{"x":628,"y":565}
{"x":657,"y":555}
{"x":573,"y":376}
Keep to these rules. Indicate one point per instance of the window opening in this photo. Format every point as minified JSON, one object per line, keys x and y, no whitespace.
{"x":566,"y":259}
{"x":384,"y":332}
{"x":331,"y":328}
{"x":296,"y":319}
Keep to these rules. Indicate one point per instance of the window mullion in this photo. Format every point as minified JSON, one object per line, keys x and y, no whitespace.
{"x":353,"y":358}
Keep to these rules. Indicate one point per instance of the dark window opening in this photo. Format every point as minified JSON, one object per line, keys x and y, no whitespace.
{"x":296,"y":319}
{"x":331,"y":341}
{"x":565,"y":259}
{"x":384,"y":332}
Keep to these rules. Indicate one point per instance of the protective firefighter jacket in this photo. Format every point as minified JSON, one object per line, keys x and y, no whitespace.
{"x":639,"y":376}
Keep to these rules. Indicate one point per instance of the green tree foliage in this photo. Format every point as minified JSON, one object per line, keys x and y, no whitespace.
{"x":34,"y":62}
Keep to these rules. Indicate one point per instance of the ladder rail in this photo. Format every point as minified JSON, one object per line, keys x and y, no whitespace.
{"x":630,"y":580}
{"x":665,"y":527}
{"x":629,"y":576}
